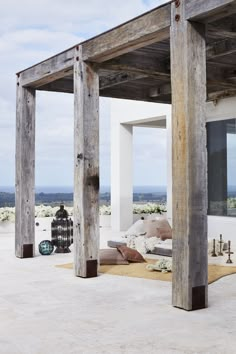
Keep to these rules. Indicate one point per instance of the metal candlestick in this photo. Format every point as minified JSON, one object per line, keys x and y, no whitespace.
{"x":220,"y":253}
{"x":213,"y":253}
{"x":229,"y":260}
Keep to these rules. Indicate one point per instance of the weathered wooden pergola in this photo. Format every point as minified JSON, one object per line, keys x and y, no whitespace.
{"x":181,"y":53}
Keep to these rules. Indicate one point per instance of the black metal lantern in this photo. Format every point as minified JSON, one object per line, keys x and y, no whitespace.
{"x":62,"y":231}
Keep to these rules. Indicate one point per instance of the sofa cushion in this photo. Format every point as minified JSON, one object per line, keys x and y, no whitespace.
{"x":136,"y":229}
{"x":130,"y":254}
{"x":159,"y":227}
{"x":151,"y":228}
{"x":111,"y":256}
{"x":164,"y":233}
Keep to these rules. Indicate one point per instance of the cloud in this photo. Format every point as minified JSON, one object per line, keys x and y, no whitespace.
{"x":74,"y":16}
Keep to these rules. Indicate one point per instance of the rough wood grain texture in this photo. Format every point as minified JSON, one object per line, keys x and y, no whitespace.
{"x":61,"y":85}
{"x":49,"y":70}
{"x":209,"y":10}
{"x":217,"y":95}
{"x":139,"y":64}
{"x":137,"y":94}
{"x":222,"y":28}
{"x":126,"y":76}
{"x":221,"y":48}
{"x":86,"y":167}
{"x":219,"y":32}
{"x":148,"y":28}
{"x":119,"y":78}
{"x":189,"y":162}
{"x":25,"y":167}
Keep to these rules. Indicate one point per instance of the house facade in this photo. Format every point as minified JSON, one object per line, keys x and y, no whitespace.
{"x":221,"y":151}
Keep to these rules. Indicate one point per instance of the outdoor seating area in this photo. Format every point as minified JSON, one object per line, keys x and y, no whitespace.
{"x":180,"y":53}
{"x":118,"y":178}
{"x":52,"y":309}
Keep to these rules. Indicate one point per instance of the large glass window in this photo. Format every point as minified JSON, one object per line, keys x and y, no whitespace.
{"x":221,"y":145}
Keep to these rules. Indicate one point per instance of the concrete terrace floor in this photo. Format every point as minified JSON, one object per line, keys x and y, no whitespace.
{"x":46,"y":310}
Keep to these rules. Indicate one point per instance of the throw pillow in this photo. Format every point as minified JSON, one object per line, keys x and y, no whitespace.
{"x":111,"y":256}
{"x":164,"y":233}
{"x":153,"y":226}
{"x":136,"y":229}
{"x":130,"y":254}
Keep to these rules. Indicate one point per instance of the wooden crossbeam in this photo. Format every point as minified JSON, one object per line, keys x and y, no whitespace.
{"x":117,"y":79}
{"x":227,"y":89}
{"x":159,"y":91}
{"x":60,"y":85}
{"x":221,"y":48}
{"x":209,"y":10}
{"x":66,"y":85}
{"x":136,"y":95}
{"x":138,"y":64}
{"x":49,"y":70}
{"x":146,"y":29}
{"x":214,"y":31}
{"x":215,"y":96}
{"x":223,"y":28}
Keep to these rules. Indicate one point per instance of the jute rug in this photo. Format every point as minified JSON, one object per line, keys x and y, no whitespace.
{"x":138,"y":270}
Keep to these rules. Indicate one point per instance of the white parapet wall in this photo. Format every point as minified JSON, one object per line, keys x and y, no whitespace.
{"x":222,"y":225}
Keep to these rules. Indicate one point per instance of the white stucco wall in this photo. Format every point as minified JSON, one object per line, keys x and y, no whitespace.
{"x":125,"y":115}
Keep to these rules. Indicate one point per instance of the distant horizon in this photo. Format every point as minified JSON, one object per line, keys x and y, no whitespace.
{"x":69,"y":189}
{"x":103,"y":189}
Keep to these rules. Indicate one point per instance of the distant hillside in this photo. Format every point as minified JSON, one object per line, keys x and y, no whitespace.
{"x":54,"y":199}
{"x":7,"y":199}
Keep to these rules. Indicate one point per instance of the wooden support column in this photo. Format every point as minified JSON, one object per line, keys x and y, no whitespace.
{"x":86,"y":170}
{"x":25,"y":172}
{"x":189,"y":161}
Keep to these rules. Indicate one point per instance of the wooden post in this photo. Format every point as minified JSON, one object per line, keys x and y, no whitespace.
{"x":86,"y":172}
{"x":25,"y":172}
{"x":189,"y":161}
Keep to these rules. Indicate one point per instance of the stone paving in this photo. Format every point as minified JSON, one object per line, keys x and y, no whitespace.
{"x":46,"y":310}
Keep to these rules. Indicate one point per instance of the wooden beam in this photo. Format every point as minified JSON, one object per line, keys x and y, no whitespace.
{"x":221,"y":84}
{"x":138,"y":64}
{"x":137,"y":94}
{"x":220,"y":33}
{"x":189,"y":162}
{"x":64,"y":85}
{"x":221,"y":48}
{"x":210,"y":10}
{"x":119,"y":78}
{"x":146,"y":29}
{"x":223,"y":28}
{"x":52,"y":69}
{"x":220,"y":94}
{"x":67,"y":86}
{"x":25,"y":171}
{"x":86,"y":168}
{"x":161,"y":90}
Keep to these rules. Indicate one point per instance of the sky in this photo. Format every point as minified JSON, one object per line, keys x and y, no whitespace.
{"x":31,"y":31}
